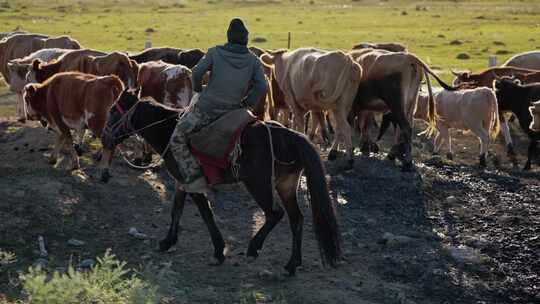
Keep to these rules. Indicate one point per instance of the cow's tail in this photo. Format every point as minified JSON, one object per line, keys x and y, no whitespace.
{"x":427,"y":70}
{"x":432,"y":111}
{"x":495,"y":124}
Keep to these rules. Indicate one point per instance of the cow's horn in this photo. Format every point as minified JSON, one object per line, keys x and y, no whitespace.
{"x":455,"y":73}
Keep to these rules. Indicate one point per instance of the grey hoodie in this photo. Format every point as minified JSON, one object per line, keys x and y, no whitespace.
{"x":232,"y":70}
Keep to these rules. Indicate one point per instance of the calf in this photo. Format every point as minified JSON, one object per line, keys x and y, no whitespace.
{"x":90,"y":62}
{"x":517,"y":98}
{"x":168,"y":84}
{"x":487,"y":76}
{"x":76,"y":101}
{"x":470,"y":109}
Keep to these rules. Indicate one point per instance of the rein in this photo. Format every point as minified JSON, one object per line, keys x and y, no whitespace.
{"x":125,"y":122}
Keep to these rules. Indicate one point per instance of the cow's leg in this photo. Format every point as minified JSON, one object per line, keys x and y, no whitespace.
{"x":531,"y":153}
{"x":343,"y":134}
{"x":21,"y":111}
{"x":57,"y":147}
{"x":79,"y":140}
{"x":450,"y":153}
{"x":68,"y":141}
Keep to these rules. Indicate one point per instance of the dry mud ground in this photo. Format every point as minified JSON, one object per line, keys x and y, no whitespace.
{"x":404,"y":241}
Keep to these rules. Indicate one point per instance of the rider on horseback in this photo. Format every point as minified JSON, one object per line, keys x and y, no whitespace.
{"x":232,"y":69}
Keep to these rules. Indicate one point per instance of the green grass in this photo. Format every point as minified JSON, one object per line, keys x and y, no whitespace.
{"x":121,"y":24}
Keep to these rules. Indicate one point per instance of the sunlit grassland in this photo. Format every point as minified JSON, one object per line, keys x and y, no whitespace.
{"x":427,"y":27}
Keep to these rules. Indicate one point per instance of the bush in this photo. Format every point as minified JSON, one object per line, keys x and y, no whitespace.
{"x":108,"y":282}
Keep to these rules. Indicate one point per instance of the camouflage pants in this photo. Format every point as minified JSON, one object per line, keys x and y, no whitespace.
{"x":190,"y":123}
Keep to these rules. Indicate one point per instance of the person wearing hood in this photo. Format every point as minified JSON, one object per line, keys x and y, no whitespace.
{"x":233,"y":68}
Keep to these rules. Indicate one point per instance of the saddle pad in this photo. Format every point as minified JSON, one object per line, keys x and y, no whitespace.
{"x":215,"y":139}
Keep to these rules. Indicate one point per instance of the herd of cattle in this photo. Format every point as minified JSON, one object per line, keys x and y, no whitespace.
{"x":68,"y":87}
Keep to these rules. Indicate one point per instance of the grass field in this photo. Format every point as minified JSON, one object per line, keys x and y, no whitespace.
{"x":478,"y":28}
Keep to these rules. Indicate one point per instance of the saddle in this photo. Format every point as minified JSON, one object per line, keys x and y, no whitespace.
{"x":215,"y":144}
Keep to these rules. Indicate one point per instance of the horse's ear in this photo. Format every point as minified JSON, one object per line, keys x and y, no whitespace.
{"x":36,"y":64}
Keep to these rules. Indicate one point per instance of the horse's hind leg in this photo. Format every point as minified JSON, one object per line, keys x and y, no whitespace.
{"x":261,"y":190}
{"x":176,"y":214}
{"x":287,"y":191}
{"x":208,"y":216}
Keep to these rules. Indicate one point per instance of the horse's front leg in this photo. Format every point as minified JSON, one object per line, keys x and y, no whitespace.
{"x":215,"y":234}
{"x":176,"y":214}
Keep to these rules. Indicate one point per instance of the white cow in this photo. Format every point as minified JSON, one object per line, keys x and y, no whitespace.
{"x":471,"y":109}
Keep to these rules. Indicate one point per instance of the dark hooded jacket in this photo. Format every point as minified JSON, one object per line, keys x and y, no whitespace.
{"x":233,"y":70}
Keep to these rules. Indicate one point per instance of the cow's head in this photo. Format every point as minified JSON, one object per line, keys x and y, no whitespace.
{"x":17,"y":75}
{"x":535,"y":112}
{"x":505,"y":83}
{"x":33,"y":70}
{"x":33,"y":101}
{"x":178,"y":82}
{"x":190,"y":58}
{"x":117,"y":64}
{"x":461,"y":77}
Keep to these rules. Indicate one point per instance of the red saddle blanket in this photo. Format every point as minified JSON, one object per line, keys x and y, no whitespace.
{"x":214,"y":144}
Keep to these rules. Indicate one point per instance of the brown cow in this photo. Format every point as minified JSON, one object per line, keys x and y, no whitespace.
{"x":485,"y":78}
{"x":90,"y":62}
{"x":388,"y":46}
{"x":165,"y":54}
{"x":21,"y":45}
{"x":391,"y":82}
{"x":73,"y":100}
{"x":168,"y":84}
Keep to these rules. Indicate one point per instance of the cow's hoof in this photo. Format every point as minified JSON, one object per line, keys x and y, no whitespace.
{"x":105,"y":176}
{"x":75,"y":167}
{"x":21,"y":120}
{"x":291,"y":268}
{"x":527,"y":166}
{"x":510,"y":151}
{"x":407,"y":167}
{"x":52,"y":161}
{"x":482,"y":163}
{"x":97,"y":156}
{"x":350,"y":164}
{"x":450,"y":156}
{"x":332,"y":155}
{"x":375,"y":148}
{"x":391,"y":157}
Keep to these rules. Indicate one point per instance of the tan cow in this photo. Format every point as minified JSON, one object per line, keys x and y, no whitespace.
{"x":388,"y":46}
{"x":317,"y":80}
{"x":527,"y":60}
{"x":470,"y":109}
{"x":90,"y":62}
{"x":535,"y":112}
{"x":21,"y":45}
{"x":168,"y":84}
{"x":18,"y":68}
{"x":73,"y":100}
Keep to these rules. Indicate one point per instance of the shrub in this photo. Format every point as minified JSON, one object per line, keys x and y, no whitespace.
{"x":108,"y":282}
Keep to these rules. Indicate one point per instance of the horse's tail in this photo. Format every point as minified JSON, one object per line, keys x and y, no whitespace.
{"x":323,"y":209}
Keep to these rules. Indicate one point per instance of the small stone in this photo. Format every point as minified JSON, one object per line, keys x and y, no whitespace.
{"x":451,"y":199}
{"x":466,"y":255}
{"x":266,"y":274}
{"x":87,"y":264}
{"x":75,"y":242}
{"x":393,"y":240}
{"x":136,"y":234}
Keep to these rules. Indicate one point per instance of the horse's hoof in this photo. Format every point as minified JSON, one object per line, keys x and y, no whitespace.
{"x":482,"y":162}
{"x":350,"y":164}
{"x":105,"y":176}
{"x":407,"y":167}
{"x":78,"y":149}
{"x":164,"y":245}
{"x":450,"y":156}
{"x":332,"y":155}
{"x":216,"y":261}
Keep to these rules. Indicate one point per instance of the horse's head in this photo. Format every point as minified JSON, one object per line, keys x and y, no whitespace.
{"x":118,"y":126}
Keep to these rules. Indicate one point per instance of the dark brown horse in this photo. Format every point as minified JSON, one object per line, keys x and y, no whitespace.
{"x":293,"y":152}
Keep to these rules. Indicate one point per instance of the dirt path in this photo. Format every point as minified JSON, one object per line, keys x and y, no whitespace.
{"x":405,"y":240}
